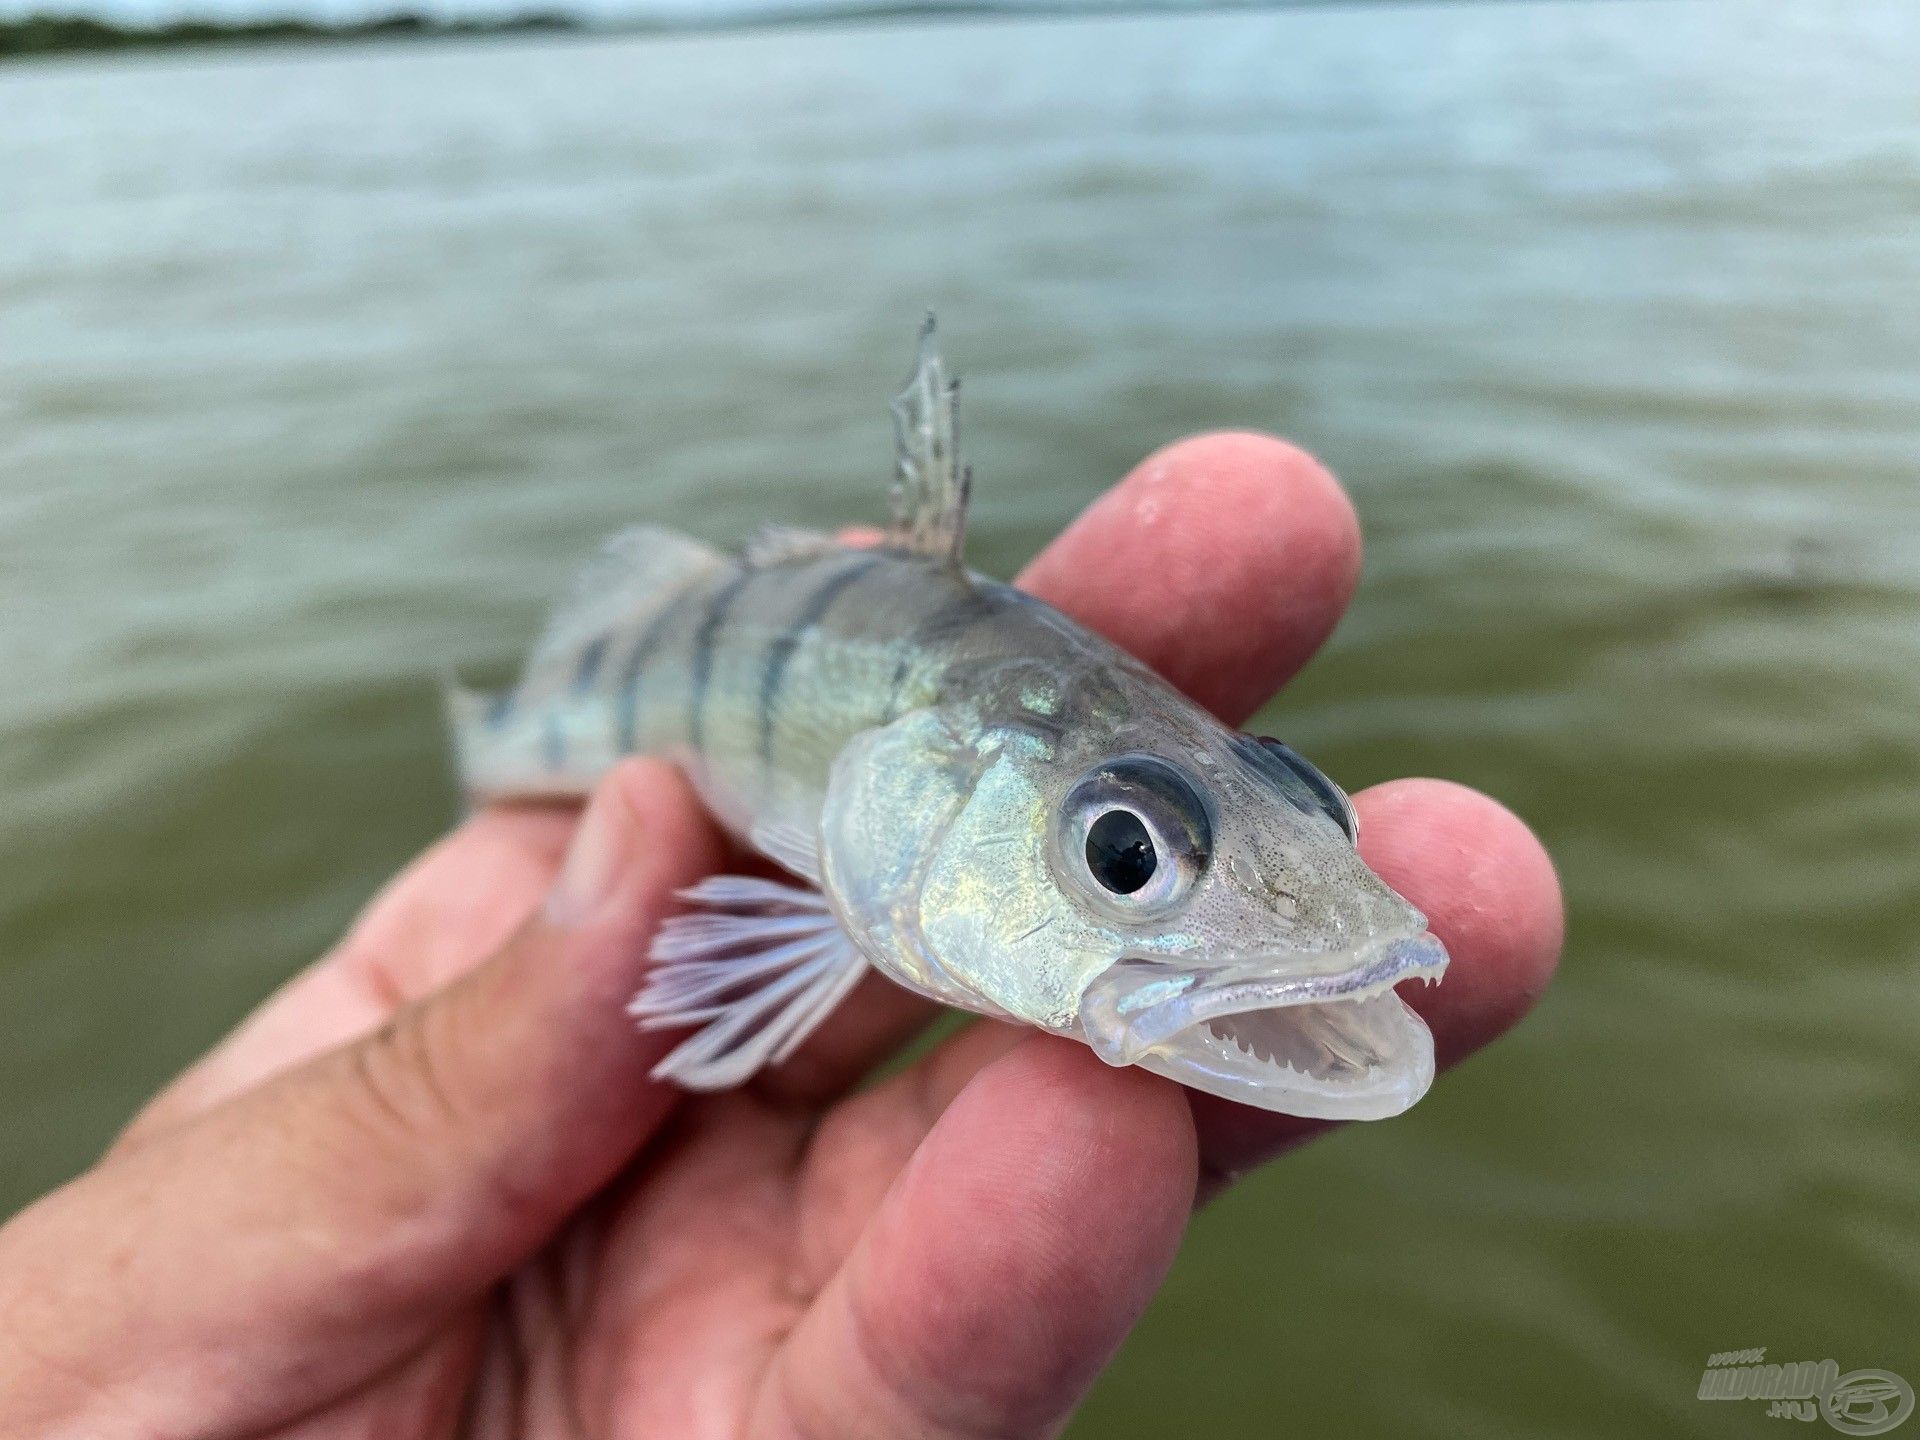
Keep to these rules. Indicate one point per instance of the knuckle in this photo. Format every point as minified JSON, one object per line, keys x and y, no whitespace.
{"x":403,"y":1081}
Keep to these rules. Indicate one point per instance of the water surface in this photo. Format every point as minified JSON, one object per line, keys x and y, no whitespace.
{"x":321,"y":369}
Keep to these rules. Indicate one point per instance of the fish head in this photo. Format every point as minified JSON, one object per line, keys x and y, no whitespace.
{"x":1255,"y":954}
{"x":1180,"y":898}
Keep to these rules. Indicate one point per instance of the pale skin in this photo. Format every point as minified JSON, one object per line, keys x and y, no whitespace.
{"x":429,"y":1190}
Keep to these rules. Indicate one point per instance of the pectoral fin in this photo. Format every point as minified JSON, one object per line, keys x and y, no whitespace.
{"x":793,"y":846}
{"x":757,"y":966}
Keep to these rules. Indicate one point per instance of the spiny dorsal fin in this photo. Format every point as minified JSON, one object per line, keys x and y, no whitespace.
{"x":930,"y":491}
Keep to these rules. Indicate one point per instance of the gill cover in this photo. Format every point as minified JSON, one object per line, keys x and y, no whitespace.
{"x":934,"y":853}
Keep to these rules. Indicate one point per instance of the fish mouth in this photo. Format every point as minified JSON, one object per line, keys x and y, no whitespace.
{"x":1316,"y":1035}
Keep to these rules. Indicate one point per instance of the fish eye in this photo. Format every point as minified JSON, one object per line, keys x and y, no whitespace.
{"x":1120,"y":852}
{"x":1135,"y":834}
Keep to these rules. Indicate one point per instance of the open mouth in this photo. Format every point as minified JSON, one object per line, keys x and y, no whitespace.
{"x":1315,"y":1035}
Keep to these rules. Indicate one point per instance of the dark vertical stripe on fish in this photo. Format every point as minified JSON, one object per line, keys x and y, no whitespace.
{"x":780,"y":653}
{"x":894,"y":686}
{"x":627,"y":696}
{"x":950,"y":619}
{"x":553,"y":741}
{"x":702,"y":656}
{"x":953,"y":618}
{"x":588,"y":669}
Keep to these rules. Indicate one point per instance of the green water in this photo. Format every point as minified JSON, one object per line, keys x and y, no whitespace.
{"x":320,"y":370}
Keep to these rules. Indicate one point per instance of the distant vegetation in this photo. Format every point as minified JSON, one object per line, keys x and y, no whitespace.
{"x":53,"y":34}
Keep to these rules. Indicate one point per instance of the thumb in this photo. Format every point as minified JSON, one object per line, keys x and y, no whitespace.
{"x":319,"y":1226}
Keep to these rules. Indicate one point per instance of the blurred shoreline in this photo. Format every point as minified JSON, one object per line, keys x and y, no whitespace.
{"x":66,"y":33}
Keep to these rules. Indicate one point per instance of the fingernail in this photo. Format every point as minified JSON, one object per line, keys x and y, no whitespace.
{"x":596,"y":859}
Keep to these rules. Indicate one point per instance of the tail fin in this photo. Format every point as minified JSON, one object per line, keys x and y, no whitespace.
{"x":502,"y":751}
{"x":550,"y":735}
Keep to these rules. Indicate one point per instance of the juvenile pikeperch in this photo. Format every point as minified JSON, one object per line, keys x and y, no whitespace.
{"x":974,"y":796}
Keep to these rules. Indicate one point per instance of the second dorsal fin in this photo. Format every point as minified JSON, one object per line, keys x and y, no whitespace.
{"x":931,"y":486}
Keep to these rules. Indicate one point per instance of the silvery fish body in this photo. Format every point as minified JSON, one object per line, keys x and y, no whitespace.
{"x":976,"y":797}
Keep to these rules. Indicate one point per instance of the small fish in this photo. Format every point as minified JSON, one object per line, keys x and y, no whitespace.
{"x":972,"y":795}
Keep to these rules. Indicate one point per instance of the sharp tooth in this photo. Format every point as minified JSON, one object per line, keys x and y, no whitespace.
{"x":1225,"y":1029}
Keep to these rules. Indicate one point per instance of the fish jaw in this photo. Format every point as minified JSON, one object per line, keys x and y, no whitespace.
{"x":1322,"y":1036}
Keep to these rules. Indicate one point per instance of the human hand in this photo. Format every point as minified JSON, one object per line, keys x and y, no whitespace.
{"x":429,"y":1189}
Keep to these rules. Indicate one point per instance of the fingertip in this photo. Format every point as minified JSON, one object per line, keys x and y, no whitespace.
{"x":1252,"y":476}
{"x":654,"y":790}
{"x":1245,"y":531}
{"x":642,"y":838}
{"x":1022,"y":1167}
{"x":1054,"y":1105}
{"x":1233,"y":483}
{"x":644,"y":832}
{"x":1489,"y":892}
{"x":1043,"y":1210}
{"x":1488,"y":889}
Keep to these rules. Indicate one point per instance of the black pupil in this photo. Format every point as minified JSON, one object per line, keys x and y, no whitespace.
{"x":1120,"y":852}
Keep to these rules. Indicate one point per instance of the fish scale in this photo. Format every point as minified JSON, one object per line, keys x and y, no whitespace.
{"x":755,"y":676}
